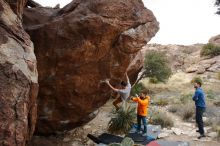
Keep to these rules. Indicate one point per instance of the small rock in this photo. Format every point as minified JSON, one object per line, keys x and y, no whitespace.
{"x":66,"y":139}
{"x":212,"y":134}
{"x":89,"y":142}
{"x":176,"y":131}
{"x":163,"y":135}
{"x":164,"y":129}
{"x":86,"y":127}
{"x":93,"y":131}
{"x":205,"y":119}
{"x":207,"y":129}
{"x":188,"y":124}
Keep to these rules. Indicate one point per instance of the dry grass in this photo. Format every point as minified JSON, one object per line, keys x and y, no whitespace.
{"x":174,"y":108}
{"x":161,"y":101}
{"x":158,"y":117}
{"x":186,"y":98}
{"x":185,"y":111}
{"x":217,"y":103}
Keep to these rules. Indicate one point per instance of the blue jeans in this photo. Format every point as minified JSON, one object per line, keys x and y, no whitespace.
{"x":144,"y":120}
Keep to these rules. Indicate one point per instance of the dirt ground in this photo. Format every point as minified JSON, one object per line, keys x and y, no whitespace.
{"x":78,"y":136}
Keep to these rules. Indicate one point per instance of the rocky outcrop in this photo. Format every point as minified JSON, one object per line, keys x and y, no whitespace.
{"x":17,"y":6}
{"x":18,"y":79}
{"x":187,"y":58}
{"x":79,"y":46}
{"x":215,"y":40}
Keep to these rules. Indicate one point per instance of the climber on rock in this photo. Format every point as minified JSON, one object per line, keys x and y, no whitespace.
{"x":142,"y":111}
{"x":124,"y":92}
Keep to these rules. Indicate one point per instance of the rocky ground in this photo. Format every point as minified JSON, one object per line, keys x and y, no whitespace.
{"x":182,"y":131}
{"x":177,"y":85}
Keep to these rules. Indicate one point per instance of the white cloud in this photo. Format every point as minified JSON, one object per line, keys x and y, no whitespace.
{"x":181,"y":21}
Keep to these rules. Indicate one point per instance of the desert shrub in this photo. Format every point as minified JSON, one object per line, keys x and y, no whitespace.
{"x":122,"y":120}
{"x":153,"y":80}
{"x":185,"y":98}
{"x":210,"y":94}
{"x":157,"y":117}
{"x":210,"y":50}
{"x":197,"y":79}
{"x":157,"y":67}
{"x":174,"y":108}
{"x":217,"y":103}
{"x":208,"y":122}
{"x":218,"y":132}
{"x":187,"y":114}
{"x":186,"y":111}
{"x":219,"y":75}
{"x":216,"y":127}
{"x":137,"y":89}
{"x":161,"y":101}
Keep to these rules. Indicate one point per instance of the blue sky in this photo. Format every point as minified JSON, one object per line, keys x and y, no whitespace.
{"x":181,"y":21}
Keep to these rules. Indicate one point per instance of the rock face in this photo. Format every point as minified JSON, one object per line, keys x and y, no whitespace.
{"x":17,"y":6}
{"x":18,"y":80}
{"x":79,"y":46}
{"x":187,"y":58}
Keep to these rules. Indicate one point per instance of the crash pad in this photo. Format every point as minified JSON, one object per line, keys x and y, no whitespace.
{"x":107,"y":138}
{"x":152,"y":130}
{"x":139,"y":139}
{"x":172,"y":143}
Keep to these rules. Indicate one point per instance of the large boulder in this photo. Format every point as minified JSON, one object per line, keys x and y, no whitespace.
{"x":18,"y":80}
{"x":215,"y":40}
{"x":78,"y":47}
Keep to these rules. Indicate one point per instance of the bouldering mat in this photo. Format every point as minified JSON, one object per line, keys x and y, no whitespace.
{"x":136,"y":137}
{"x":153,"y":143}
{"x":171,"y":143}
{"x":152,"y":130}
{"x":139,"y":139}
{"x":109,"y":138}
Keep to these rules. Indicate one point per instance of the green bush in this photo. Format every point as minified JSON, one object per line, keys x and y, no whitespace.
{"x":157,"y":67}
{"x":137,"y":89}
{"x":153,"y":80}
{"x":122,"y":120}
{"x":210,"y":50}
{"x":157,"y":117}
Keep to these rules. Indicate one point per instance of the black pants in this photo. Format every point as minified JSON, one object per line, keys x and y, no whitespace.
{"x":199,"y":120}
